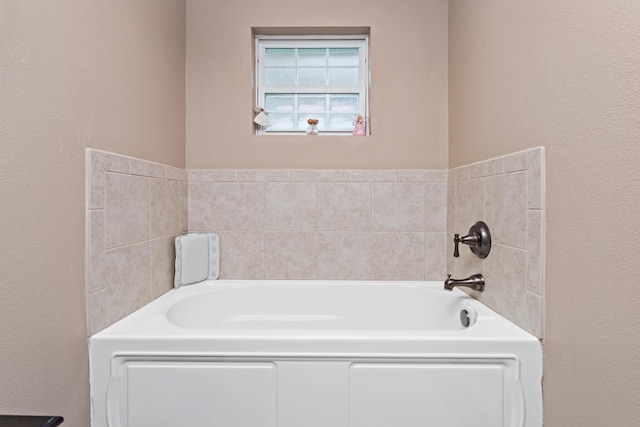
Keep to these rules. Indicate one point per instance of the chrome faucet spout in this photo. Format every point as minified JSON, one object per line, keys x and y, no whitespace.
{"x":475,"y":282}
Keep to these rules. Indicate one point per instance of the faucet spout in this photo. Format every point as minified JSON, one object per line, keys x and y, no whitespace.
{"x":475,"y":282}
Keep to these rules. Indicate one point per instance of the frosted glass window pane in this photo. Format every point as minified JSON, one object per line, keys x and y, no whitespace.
{"x":312,"y":76}
{"x":281,"y":121}
{"x":279,"y":103}
{"x":341,"y":57}
{"x":343,"y":103}
{"x":344,"y":76}
{"x":312,"y":103}
{"x":312,"y":57}
{"x":279,"y":57}
{"x":279,"y":76}
{"x":344,"y":122}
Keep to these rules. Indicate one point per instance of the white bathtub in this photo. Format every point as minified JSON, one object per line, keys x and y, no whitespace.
{"x":310,"y":353}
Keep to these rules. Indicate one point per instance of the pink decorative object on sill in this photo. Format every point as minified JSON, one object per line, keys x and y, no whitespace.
{"x":359,"y":129}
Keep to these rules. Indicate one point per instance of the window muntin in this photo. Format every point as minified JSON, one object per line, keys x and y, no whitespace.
{"x":318,"y":78}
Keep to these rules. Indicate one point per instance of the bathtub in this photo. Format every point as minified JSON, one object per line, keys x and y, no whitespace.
{"x":311,"y":353}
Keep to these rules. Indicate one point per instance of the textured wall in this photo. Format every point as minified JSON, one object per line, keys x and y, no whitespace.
{"x":564,"y":75}
{"x":74,"y":73}
{"x":408,"y":62}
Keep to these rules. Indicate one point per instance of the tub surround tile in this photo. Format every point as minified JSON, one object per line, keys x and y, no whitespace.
{"x":469,"y":205}
{"x":238,"y":206}
{"x":211,"y":175}
{"x":128,"y":274}
{"x":344,"y":206}
{"x":150,"y":169}
{"x":257,"y":175}
{"x":291,"y":206}
{"x":96,"y":312}
{"x":242,"y":255}
{"x":535,"y":182}
{"x":535,"y":255}
{"x":113,"y":162}
{"x":435,"y":257}
{"x":435,"y":198}
{"x":371,"y":175}
{"x":164,"y":208}
{"x":344,"y":256}
{"x":125,"y":213}
{"x":397,"y":256}
{"x":184,"y":206}
{"x":127,"y":209}
{"x":511,"y":202}
{"x":329,"y":224}
{"x":397,"y":206}
{"x":506,"y":208}
{"x":199,"y":206}
{"x":162,"y":262}
{"x":97,"y":181}
{"x":291,"y":255}
{"x":490,"y":167}
{"x":317,"y":175}
{"x":423,"y":175}
{"x":96,"y":247}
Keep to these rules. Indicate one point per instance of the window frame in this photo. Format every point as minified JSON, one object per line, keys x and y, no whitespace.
{"x":262,"y":42}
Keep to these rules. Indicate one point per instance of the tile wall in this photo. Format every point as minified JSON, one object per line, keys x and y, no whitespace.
{"x":316,"y":224}
{"x":324,"y":224}
{"x":134,"y":211}
{"x":508,"y":193}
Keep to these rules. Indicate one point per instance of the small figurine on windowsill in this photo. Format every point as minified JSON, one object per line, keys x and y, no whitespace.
{"x":359,"y":127}
{"x":262,"y":121}
{"x":312,"y":129}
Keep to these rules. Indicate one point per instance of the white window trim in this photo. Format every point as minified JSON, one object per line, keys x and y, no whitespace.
{"x":361,"y":41}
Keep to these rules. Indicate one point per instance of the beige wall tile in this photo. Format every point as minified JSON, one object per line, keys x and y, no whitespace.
{"x":343,"y":256}
{"x":261,"y":175}
{"x":371,"y":175}
{"x":200,"y":206}
{"x":127,"y":209}
{"x":435,"y":206}
{"x":534,"y":320}
{"x":397,"y":206}
{"x":150,"y":169}
{"x":96,"y":311}
{"x":184,"y":207}
{"x":451,"y":207}
{"x":127,"y":277}
{"x":459,"y":173}
{"x":162,"y":264}
{"x":344,"y":206}
{"x":490,"y":167}
{"x":291,"y":206}
{"x":317,"y":175}
{"x":506,"y":208}
{"x":535,"y":182}
{"x":535,"y":257}
{"x":242,"y":255}
{"x":113,"y":162}
{"x":397,"y":256}
{"x":469,"y":205}
{"x":211,"y":175}
{"x":96,"y":250}
{"x":164,"y":208}
{"x":238,"y":206}
{"x":290,"y":255}
{"x":504,"y":273}
{"x":423,"y":175}
{"x":435,"y":257}
{"x":97,"y":181}
{"x":519,"y":161}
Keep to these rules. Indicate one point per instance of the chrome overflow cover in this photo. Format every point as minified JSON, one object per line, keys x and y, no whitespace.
{"x":465,"y":319}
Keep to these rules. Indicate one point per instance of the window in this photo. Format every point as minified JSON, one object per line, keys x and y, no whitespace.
{"x":301,"y":78}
